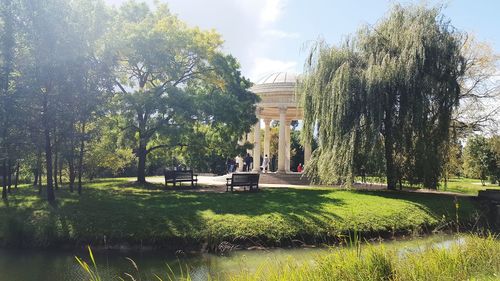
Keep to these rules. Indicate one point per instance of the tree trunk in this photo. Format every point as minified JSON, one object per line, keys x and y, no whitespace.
{"x":9,"y":176}
{"x":71,"y":169}
{"x":35,"y":182}
{"x":56,"y":184}
{"x":40,"y":177}
{"x":80,"y":158}
{"x":141,"y":165}
{"x":71,"y":158}
{"x":61,"y":163}
{"x":389,"y":152}
{"x":16,"y":180}
{"x":4,"y":179}
{"x":48,"y":151}
{"x":141,"y":150}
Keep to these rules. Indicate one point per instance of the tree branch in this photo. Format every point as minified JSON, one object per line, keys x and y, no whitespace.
{"x":121,"y":87}
{"x":164,"y":146}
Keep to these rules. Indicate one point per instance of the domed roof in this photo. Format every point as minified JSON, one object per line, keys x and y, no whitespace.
{"x":276,"y":82}
{"x":278,"y":77}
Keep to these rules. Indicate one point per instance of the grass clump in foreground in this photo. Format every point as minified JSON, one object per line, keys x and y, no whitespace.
{"x":472,"y":258}
{"x":117,"y":212}
{"x":469,"y":258}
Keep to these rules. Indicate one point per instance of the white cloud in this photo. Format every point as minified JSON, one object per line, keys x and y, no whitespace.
{"x":262,"y":66}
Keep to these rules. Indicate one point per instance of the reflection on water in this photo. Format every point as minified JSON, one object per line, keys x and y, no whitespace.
{"x":21,"y":265}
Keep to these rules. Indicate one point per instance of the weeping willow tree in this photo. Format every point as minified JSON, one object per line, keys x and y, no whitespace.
{"x":388,"y":90}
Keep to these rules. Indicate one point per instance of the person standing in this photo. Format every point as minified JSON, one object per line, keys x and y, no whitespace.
{"x":248,"y":161}
{"x":300,"y":169}
{"x":273,"y":164}
{"x":265,"y":164}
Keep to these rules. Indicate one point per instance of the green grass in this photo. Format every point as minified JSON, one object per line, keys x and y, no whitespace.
{"x":458,"y":185}
{"x":120,"y":212}
{"x":473,"y":259}
{"x":467,"y":186}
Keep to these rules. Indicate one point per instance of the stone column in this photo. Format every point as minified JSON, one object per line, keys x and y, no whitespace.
{"x":282,"y":142}
{"x":287,"y":146}
{"x":267,"y":137}
{"x":256,"y":144}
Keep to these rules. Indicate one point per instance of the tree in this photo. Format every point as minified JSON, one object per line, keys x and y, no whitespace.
{"x":218,"y":127}
{"x":398,"y":83}
{"x":494,"y":167}
{"x":480,"y":89}
{"x":62,"y":78}
{"x":7,"y":69}
{"x":157,"y":58}
{"x":176,"y":85}
{"x":479,"y":159}
{"x":12,"y":110}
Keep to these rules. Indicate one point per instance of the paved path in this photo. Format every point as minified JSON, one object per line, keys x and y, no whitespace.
{"x":218,"y":184}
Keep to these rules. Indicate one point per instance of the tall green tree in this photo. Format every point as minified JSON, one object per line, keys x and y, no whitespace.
{"x":478,"y":158}
{"x":214,"y":136}
{"x":159,"y":57}
{"x":62,"y":77}
{"x":396,"y":82}
{"x":7,"y":40}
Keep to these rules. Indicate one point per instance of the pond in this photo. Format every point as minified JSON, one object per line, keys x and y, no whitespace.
{"x":26,"y":265}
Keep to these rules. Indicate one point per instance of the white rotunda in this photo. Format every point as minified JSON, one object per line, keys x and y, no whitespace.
{"x":278,"y":101}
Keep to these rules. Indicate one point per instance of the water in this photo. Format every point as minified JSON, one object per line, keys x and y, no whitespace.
{"x":23,"y":265}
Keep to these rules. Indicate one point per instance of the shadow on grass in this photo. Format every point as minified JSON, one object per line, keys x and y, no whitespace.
{"x":147,"y":214}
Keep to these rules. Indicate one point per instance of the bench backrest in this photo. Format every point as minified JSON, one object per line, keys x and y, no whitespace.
{"x":188,"y":174}
{"x":245,"y":178}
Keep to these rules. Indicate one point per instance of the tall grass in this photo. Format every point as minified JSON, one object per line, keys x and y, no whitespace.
{"x":90,"y":270}
{"x":470,"y":258}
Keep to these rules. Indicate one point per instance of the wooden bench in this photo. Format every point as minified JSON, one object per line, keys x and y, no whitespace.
{"x":244,"y":179}
{"x":180,"y":176}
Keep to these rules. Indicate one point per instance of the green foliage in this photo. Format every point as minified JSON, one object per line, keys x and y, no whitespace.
{"x":481,"y":158}
{"x":453,"y":160}
{"x":218,"y":127}
{"x":394,"y":85}
{"x":175,"y":87}
{"x":296,"y":150}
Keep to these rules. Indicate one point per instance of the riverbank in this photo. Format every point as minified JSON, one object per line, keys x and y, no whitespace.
{"x":45,"y":265}
{"x":468,"y":258}
{"x":118,"y":213}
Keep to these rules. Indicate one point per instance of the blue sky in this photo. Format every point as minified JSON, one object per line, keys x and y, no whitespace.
{"x":273,"y":35}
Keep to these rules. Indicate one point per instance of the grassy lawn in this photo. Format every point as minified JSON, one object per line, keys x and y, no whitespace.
{"x":117,"y":211}
{"x":468,"y":186}
{"x":458,"y":185}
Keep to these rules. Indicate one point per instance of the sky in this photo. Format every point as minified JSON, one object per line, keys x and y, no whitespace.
{"x":274,"y":35}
